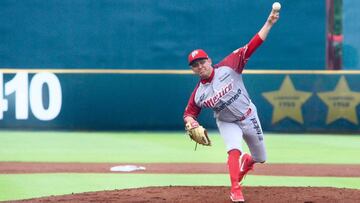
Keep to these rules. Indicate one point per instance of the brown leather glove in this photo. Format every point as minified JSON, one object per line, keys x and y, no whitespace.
{"x":198,"y":134}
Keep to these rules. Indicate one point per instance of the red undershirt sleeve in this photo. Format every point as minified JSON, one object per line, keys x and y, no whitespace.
{"x":254,"y":43}
{"x":192,"y":109}
{"x":238,"y":58}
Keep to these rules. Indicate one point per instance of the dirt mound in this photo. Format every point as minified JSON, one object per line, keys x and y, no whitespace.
{"x":209,"y":194}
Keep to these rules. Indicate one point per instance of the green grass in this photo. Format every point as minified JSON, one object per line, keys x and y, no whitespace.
{"x":150,"y":147}
{"x":39,"y":185}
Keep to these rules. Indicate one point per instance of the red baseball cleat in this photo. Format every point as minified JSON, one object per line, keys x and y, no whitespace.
{"x":246,"y":165}
{"x":236,"y":194}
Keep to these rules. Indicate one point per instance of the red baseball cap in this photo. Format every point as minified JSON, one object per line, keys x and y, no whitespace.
{"x":197,"y":54}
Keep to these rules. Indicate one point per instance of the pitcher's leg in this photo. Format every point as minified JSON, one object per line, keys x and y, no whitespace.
{"x":232,"y":135}
{"x":254,"y":137}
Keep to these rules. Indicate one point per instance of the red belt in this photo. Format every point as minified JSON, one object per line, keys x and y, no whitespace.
{"x":245,"y":114}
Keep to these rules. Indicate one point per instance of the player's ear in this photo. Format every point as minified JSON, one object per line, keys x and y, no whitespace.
{"x":209,"y":59}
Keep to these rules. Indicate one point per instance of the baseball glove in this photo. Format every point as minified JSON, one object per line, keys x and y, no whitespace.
{"x":198,"y":134}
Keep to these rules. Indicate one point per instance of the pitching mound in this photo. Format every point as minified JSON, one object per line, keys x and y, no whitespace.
{"x":211,"y":194}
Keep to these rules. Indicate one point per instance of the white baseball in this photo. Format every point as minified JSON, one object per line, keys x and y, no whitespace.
{"x":276,"y":6}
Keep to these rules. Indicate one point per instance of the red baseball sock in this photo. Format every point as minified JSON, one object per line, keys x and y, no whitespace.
{"x":234,"y":168}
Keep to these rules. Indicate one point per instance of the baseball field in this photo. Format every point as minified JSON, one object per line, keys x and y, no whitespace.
{"x":75,"y":166}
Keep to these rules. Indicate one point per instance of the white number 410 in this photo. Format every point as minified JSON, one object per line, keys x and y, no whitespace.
{"x":33,"y":95}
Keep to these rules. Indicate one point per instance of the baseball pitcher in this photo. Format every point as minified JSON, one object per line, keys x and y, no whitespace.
{"x":222,"y":89}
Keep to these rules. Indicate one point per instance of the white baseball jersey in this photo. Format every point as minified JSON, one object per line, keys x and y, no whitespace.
{"x":224,"y":92}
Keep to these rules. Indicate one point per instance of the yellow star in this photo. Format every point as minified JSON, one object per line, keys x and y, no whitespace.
{"x":341,"y":102}
{"x":287,"y":102}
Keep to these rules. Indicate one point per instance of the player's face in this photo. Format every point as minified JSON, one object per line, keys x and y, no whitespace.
{"x":202,"y":68}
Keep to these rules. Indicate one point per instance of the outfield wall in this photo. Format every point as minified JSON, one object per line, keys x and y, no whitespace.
{"x":351,"y":29}
{"x":287,"y":101}
{"x":145,"y":34}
